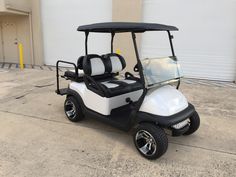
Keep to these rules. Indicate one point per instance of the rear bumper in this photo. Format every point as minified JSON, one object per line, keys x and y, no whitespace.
{"x":166,"y":121}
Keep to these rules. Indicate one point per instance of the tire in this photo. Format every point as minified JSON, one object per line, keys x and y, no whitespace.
{"x":73,"y":109}
{"x":194,"y":124}
{"x":150,"y":140}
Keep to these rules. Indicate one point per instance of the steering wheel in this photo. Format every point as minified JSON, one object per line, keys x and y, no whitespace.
{"x":136,"y":68}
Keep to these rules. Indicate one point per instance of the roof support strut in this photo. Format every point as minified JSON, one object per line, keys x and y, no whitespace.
{"x":112,"y":41}
{"x":140,"y":67}
{"x":171,"y":43}
{"x":171,"y":37}
{"x":86,"y":42}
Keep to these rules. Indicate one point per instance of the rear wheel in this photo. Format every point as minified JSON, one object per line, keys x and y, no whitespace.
{"x":73,"y":110}
{"x":150,"y":140}
{"x":193,"y":124}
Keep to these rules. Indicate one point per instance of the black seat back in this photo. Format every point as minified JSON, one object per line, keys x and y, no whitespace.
{"x":80,"y":63}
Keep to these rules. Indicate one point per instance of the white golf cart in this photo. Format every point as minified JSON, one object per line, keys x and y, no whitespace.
{"x":148,"y":102}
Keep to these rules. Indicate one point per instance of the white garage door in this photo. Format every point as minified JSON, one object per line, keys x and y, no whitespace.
{"x":60,"y":20}
{"x":206,"y":42}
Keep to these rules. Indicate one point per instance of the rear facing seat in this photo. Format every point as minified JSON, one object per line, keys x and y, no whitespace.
{"x":72,"y":75}
{"x":107,"y":67}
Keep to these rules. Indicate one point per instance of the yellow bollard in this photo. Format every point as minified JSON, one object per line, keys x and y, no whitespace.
{"x":118,"y":51}
{"x":21,"y":56}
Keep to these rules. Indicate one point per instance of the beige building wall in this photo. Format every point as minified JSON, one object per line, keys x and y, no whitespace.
{"x":2,"y":8}
{"x":127,"y":11}
{"x":37,"y":42}
{"x":21,"y":35}
{"x":15,"y":13}
{"x":18,"y":5}
{"x":26,"y":14}
{"x":1,"y":47}
{"x":2,"y":5}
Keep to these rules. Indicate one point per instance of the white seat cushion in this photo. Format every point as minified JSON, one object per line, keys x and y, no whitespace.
{"x":128,"y":81}
{"x":97,"y":66}
{"x":116,"y":64}
{"x":80,"y":72}
{"x":109,"y":85}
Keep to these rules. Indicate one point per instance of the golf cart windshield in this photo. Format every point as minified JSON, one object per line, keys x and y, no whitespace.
{"x":158,"y":71}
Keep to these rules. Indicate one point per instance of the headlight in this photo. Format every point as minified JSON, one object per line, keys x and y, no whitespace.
{"x":181,"y":124}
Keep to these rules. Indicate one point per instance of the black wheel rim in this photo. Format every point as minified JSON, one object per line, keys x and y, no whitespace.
{"x":146,"y":143}
{"x":70,"y":109}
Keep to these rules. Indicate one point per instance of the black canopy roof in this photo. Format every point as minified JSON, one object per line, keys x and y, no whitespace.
{"x":120,"y":27}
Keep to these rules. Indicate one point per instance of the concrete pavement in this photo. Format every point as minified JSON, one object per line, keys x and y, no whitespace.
{"x":36,"y":139}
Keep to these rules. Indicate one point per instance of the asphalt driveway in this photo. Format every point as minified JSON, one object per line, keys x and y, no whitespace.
{"x":36,"y":139}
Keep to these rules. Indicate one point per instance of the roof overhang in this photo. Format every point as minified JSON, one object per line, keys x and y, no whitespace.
{"x":121,"y":27}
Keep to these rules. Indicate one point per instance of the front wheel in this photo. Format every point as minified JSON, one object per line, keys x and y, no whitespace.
{"x":150,"y":140}
{"x":193,"y":124}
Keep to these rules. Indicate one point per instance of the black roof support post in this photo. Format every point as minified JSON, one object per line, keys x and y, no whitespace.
{"x":112,"y":41}
{"x":171,"y":37}
{"x":140,"y":67}
{"x":171,"y":43}
{"x":86,"y":42}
